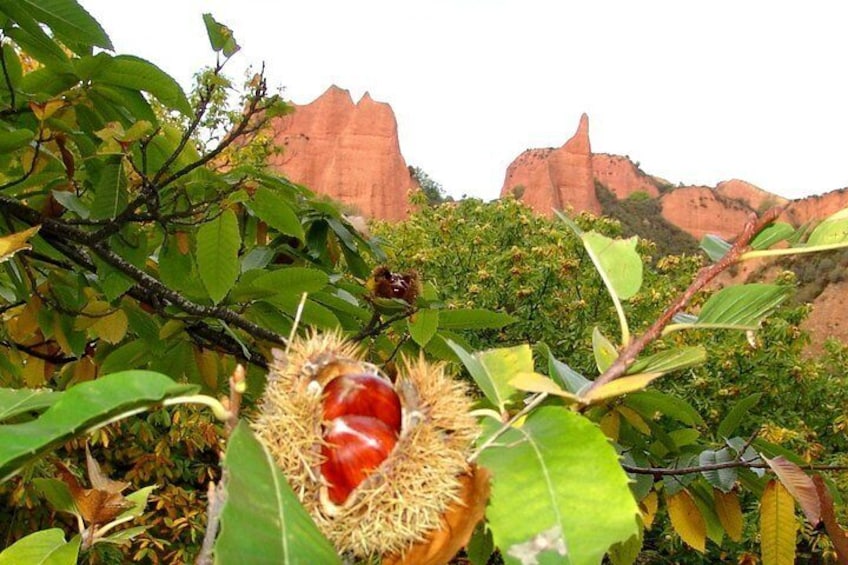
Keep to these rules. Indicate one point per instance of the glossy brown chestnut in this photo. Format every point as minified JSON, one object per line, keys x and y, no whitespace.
{"x":362,"y":395}
{"x":354,"y":447}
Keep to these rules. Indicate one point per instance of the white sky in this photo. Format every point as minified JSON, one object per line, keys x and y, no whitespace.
{"x":696,"y":92}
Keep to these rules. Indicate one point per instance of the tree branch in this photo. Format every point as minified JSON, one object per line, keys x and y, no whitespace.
{"x":671,"y":472}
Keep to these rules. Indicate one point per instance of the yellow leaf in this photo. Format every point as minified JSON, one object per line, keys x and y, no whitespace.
{"x":84,"y":370}
{"x":799,"y":485}
{"x":60,"y":337}
{"x":778,"y":527}
{"x":47,"y":109}
{"x":630,"y":383}
{"x":610,"y":424}
{"x":24,"y":322}
{"x":687,"y":520}
{"x":634,"y":419}
{"x":111,"y":328}
{"x":12,"y":243}
{"x":648,"y":507}
{"x":729,"y":513}
{"x":33,"y":372}
{"x":534,"y":382}
{"x":207,"y":363}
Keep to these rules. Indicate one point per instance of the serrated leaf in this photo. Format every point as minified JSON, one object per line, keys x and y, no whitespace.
{"x":293,"y":281}
{"x":799,"y":485}
{"x":423,"y":325}
{"x":723,"y":479}
{"x":137,"y":74}
{"x":729,"y":513}
{"x":743,"y":305}
{"x":648,"y":507}
{"x":111,"y":196}
{"x":730,"y":423}
{"x":277,"y":213}
{"x":626,"y":552}
{"x":617,"y":261}
{"x":218,"y":243}
{"x":715,"y":247}
{"x":14,"y":402}
{"x":46,"y":547}
{"x":80,"y":408}
{"x":546,"y":491}
{"x":15,"y":242}
{"x":69,"y":21}
{"x":671,"y":360}
{"x":473,"y":319}
{"x":686,"y":520}
{"x":603,"y":349}
{"x":280,"y":531}
{"x":111,"y":328}
{"x":623,"y":385}
{"x":778,"y":528}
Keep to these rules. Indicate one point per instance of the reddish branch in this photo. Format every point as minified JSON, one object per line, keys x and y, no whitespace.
{"x":628,"y":355}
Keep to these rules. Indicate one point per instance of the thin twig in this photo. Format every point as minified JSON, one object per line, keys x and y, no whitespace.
{"x":217,"y":496}
{"x":751,"y":464}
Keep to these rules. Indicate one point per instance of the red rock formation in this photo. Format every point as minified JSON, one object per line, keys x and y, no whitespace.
{"x":700,"y":210}
{"x":548,"y":179}
{"x":815,"y":208}
{"x":752,"y":196}
{"x":621,"y":176}
{"x":347,"y":151}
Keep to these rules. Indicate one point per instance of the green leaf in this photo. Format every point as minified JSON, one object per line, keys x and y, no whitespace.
{"x":497,"y":393}
{"x":722,"y":479}
{"x":423,"y":326}
{"x":81,"y":408}
{"x":728,"y":426}
{"x":771,"y":234}
{"x":649,"y":402}
{"x":13,"y":140}
{"x":834,"y":229}
{"x":277,"y":213}
{"x":47,"y":547}
{"x":605,"y":352}
{"x":111,"y":196}
{"x":15,"y":401}
{"x":557,"y":501}
{"x":473,"y":319}
{"x":671,"y":360}
{"x":293,"y":281}
{"x":220,"y":36}
{"x":38,"y":45}
{"x":502,"y":365}
{"x":258,"y":494}
{"x":218,"y":243}
{"x":739,"y":307}
{"x":715,"y":247}
{"x":137,"y":74}
{"x":57,"y":494}
{"x":69,"y":21}
{"x":617,"y":261}
{"x":570,"y":379}
{"x":72,"y":202}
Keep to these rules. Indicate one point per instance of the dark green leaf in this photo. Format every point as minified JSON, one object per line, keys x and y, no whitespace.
{"x":258,"y":494}
{"x":722,"y":479}
{"x":293,"y":281}
{"x":218,"y":243}
{"x":742,"y":409}
{"x":137,"y":74}
{"x":81,"y":408}
{"x":742,"y":306}
{"x":69,"y":21}
{"x":771,"y":234}
{"x":568,"y":378}
{"x":650,"y":402}
{"x":277,"y":213}
{"x":13,"y":140}
{"x":423,"y":325}
{"x":111,"y":196}
{"x":20,"y":401}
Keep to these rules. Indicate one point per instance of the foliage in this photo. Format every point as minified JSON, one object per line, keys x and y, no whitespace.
{"x":432,"y":190}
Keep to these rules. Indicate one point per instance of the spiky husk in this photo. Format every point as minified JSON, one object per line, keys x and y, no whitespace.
{"x":404,"y":499}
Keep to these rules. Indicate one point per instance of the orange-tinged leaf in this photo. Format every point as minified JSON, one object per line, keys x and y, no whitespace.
{"x":111,"y":328}
{"x":534,"y":382}
{"x":183,"y":243}
{"x":14,"y":242}
{"x":799,"y":485}
{"x":648,"y":508}
{"x":729,"y":513}
{"x":634,"y":419}
{"x":45,"y":110}
{"x":630,"y":383}
{"x":687,"y":520}
{"x":610,"y":424}
{"x":98,"y":479}
{"x":83,"y":370}
{"x":838,"y":536}
{"x":96,"y":506}
{"x":778,"y":527}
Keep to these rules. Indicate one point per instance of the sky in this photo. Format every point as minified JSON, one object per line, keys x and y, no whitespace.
{"x":696,"y":92}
